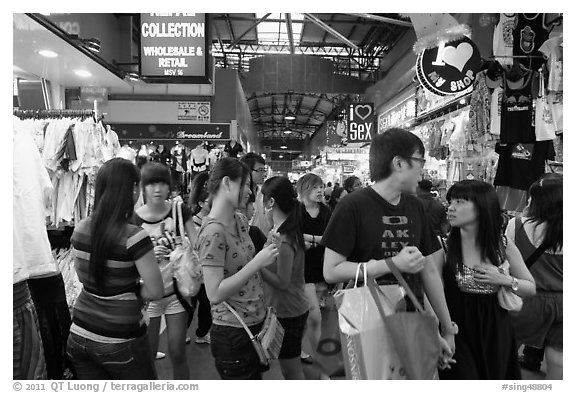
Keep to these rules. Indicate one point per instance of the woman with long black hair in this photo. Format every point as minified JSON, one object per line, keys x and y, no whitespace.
{"x":286,"y":277}
{"x":485,"y":343}
{"x":538,"y":235}
{"x":116,"y":266}
{"x":231,"y":272}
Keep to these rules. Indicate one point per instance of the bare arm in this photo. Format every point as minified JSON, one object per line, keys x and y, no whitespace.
{"x":281,"y":279}
{"x":518,"y":269}
{"x":434,"y":288}
{"x":218,"y":288}
{"x":152,"y":287}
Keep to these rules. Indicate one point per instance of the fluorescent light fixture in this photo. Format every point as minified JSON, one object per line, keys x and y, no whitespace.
{"x":287,"y":131}
{"x":133,"y":76}
{"x":289,"y":116}
{"x":47,"y":53}
{"x":462,"y":101}
{"x":283,"y":147}
{"x":280,"y":156}
{"x":83,"y":73}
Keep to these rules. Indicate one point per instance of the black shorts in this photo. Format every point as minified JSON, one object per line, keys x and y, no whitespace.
{"x":293,"y":333}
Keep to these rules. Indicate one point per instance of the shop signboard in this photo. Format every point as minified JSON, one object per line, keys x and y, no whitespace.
{"x":199,"y":132}
{"x":174,"y":48}
{"x":361,"y":122}
{"x":450,"y":68}
{"x":194,"y":111}
{"x":397,"y":116}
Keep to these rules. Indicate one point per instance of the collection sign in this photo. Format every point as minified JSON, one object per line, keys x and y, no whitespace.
{"x":198,"y":132}
{"x":360,"y":122}
{"x":450,"y":68}
{"x":173,"y":45}
{"x":194,"y":111}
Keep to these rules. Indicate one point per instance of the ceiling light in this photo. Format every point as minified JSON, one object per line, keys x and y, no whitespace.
{"x":93,"y":44}
{"x":287,"y":131}
{"x":47,"y":53}
{"x":133,"y":76}
{"x":462,"y":101}
{"x":280,"y":156}
{"x":83,"y":73}
{"x":283,"y":147}
{"x":289,"y":116}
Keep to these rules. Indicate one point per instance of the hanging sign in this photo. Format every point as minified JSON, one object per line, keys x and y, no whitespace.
{"x":450,"y":68}
{"x":173,"y":46}
{"x":360,"y":122}
{"x":199,"y":132}
{"x":195,"y":111}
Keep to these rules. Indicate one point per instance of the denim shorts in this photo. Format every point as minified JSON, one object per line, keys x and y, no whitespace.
{"x":168,"y":305}
{"x":95,"y":360}
{"x":234,"y":353}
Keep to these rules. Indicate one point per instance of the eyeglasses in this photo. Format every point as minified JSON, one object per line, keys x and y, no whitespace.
{"x":261,"y":170}
{"x":420,"y":160}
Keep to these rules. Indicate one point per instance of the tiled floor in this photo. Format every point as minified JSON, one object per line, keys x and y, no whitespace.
{"x":201,"y":363}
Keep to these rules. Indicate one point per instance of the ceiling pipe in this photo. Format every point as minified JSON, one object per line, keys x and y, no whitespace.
{"x":331,"y":31}
{"x":290,"y":35}
{"x":237,"y":40}
{"x":384,"y":19}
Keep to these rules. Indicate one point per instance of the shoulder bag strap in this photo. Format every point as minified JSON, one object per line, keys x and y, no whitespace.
{"x":394,"y":269}
{"x":240,"y":320}
{"x":535,"y":255}
{"x":181,"y":222}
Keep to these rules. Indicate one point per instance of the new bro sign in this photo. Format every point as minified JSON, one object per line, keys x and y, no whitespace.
{"x":360,"y":122}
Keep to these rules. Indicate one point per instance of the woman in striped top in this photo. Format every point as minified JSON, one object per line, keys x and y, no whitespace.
{"x":116,"y":265}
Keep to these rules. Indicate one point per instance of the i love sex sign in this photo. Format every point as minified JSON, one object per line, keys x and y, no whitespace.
{"x":360,"y":122}
{"x":450,"y":68}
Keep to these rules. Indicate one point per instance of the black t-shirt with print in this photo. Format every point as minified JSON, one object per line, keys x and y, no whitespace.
{"x":365,"y":226}
{"x":521,"y":164}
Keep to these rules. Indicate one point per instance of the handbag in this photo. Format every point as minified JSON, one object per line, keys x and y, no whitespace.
{"x":268,"y":341}
{"x":544,"y":127}
{"x":414,"y":334}
{"x":187,"y":271}
{"x":507,"y":299}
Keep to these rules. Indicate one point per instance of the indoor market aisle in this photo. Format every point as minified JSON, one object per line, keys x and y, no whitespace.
{"x":201,"y":363}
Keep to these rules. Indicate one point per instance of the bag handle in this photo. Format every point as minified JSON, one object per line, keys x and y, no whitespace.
{"x":358,"y":268}
{"x":181,"y":222}
{"x":374,"y":289}
{"x":252,"y":337}
{"x":396,"y":272}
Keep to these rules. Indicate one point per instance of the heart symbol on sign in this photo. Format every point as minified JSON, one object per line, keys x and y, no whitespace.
{"x":363,"y":111}
{"x":458,"y":57}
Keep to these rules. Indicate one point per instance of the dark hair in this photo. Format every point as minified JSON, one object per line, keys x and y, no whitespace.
{"x":113,"y":207}
{"x":251,"y":159}
{"x":334,"y":196}
{"x":329,"y":184}
{"x":198,"y":191}
{"x":546,"y":206}
{"x":253,"y":188}
{"x":141,"y":161}
{"x":349,"y":183}
{"x":155,"y":172}
{"x":230,"y":167}
{"x":384,"y":147}
{"x":425,"y":185}
{"x":490,"y":222}
{"x":284,"y":194}
{"x":307,"y":182}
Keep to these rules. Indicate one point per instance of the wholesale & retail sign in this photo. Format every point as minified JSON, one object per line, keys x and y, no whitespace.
{"x":173,"y":45}
{"x":450,"y":68}
{"x":360,"y":122}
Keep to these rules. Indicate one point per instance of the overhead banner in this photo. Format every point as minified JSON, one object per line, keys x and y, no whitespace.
{"x":197,"y":132}
{"x":450,"y":68}
{"x":361,"y":122}
{"x":174,"y":46}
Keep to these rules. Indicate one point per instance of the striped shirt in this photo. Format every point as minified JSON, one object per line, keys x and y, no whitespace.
{"x":114,"y":310}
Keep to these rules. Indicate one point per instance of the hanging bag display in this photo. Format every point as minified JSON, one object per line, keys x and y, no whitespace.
{"x":545,"y":129}
{"x":187,"y":271}
{"x":414,"y":334}
{"x":268,"y":341}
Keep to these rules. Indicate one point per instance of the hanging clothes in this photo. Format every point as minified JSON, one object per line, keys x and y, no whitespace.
{"x":480,"y":101}
{"x":503,"y":42}
{"x":529,"y":35}
{"x":517,"y":122}
{"x":553,"y":50}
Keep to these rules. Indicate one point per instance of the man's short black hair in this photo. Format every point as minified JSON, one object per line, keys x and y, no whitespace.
{"x":251,"y":159}
{"x":425,"y":185}
{"x":384,"y":147}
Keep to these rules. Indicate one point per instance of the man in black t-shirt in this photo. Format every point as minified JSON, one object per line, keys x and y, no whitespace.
{"x":385,"y":221}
